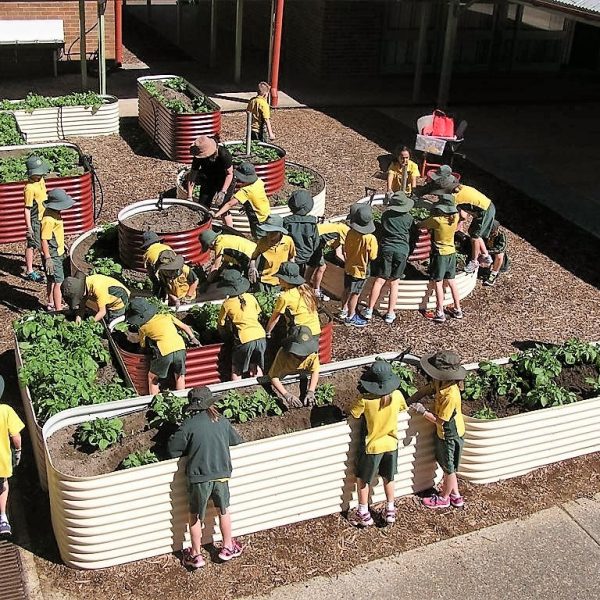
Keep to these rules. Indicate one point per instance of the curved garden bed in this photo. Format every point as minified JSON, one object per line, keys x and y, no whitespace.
{"x":73,"y":176}
{"x":118,"y":517}
{"x":312,"y":181}
{"x":43,"y":119}
{"x":179,"y":229}
{"x":175,"y":116}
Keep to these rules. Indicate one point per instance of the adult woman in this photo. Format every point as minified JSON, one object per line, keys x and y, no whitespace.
{"x":398,"y":166}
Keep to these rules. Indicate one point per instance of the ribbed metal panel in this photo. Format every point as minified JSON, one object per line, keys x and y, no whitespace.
{"x":78,"y":263}
{"x":174,"y":133}
{"x":272,"y":173}
{"x":45,"y":124}
{"x":240,"y":220}
{"x":78,"y":219}
{"x":415,"y":294}
{"x":185,"y":243}
{"x":129,"y":515}
{"x":202,"y":364}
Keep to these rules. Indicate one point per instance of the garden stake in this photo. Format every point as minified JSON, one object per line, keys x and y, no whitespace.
{"x":248,"y":133}
{"x":371,"y":193}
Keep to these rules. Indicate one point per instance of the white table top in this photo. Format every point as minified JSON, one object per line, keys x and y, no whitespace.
{"x":33,"y":31}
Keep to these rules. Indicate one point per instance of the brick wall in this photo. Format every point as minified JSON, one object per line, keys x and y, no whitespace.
{"x":68,"y":11}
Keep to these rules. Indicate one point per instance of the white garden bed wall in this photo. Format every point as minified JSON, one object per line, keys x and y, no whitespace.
{"x":138,"y":513}
{"x":46,"y":124}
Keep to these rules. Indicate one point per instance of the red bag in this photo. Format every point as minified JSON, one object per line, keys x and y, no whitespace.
{"x":443,"y":125}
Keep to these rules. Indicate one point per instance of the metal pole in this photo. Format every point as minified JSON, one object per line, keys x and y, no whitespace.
{"x":448,"y":56}
{"x":271,"y":35}
{"x":212,"y":60}
{"x":248,"y":133}
{"x":276,"y":53}
{"x":239,"y":21}
{"x":178,"y":22}
{"x":82,"y":45}
{"x":101,"y":47}
{"x":421,"y":50}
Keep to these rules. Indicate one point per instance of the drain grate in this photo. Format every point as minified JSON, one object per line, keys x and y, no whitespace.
{"x":11,"y":575}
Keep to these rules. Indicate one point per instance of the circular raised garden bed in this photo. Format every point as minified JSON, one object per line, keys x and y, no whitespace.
{"x":174,"y":132}
{"x":178,"y":223}
{"x":270,"y":170}
{"x":278,"y":201}
{"x":78,"y":219}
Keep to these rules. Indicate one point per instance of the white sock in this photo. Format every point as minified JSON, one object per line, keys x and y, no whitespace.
{"x":494,"y":272}
{"x":390,"y":506}
{"x":363,"y":509}
{"x":3,"y":517}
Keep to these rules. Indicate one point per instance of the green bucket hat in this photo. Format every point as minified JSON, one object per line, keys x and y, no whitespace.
{"x":58,"y":200}
{"x":36,"y":166}
{"x":149,"y":238}
{"x":379,"y":379}
{"x":245,"y":172}
{"x":301,"y":202}
{"x":290,"y":273}
{"x":140,"y":311}
{"x":443,"y":366}
{"x":174,"y":263}
{"x":273,"y":223}
{"x":233,"y":283}
{"x":1,"y":386}
{"x":361,"y":219}
{"x":441,"y":172}
{"x":300,"y":341}
{"x":73,"y":290}
{"x":446,"y":205}
{"x":446,"y":185}
{"x":400,"y":202}
{"x":199,"y":398}
{"x":207,"y":237}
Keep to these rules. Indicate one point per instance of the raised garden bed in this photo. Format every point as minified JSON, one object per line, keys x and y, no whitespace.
{"x":268,"y":161}
{"x":70,"y":171}
{"x":177,"y":222}
{"x":117,"y":517}
{"x":174,"y":113}
{"x":43,"y":119}
{"x":296,"y":177}
{"x":210,"y":363}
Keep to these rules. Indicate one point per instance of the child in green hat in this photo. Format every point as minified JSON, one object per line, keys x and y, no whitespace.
{"x":178,"y":283}
{"x":302,"y":227}
{"x":379,"y":404}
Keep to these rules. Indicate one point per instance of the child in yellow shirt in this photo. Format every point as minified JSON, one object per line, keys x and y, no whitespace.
{"x":35,"y":194}
{"x":259,"y":108}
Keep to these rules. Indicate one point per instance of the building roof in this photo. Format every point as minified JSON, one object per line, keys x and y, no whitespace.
{"x":584,"y":8}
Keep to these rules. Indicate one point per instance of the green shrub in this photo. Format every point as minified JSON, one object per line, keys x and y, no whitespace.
{"x":495,"y":379}
{"x":300,"y":178}
{"x":166,"y":408}
{"x":33,"y":101}
{"x":548,"y":394}
{"x":63,"y":160}
{"x":324,"y":394}
{"x":538,"y":365}
{"x":577,"y":352}
{"x":241,"y":408}
{"x":100,"y":433}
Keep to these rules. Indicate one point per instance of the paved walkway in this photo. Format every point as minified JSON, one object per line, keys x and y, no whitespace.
{"x":552,"y":554}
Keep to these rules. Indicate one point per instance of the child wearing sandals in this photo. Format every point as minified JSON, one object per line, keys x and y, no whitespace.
{"x":446,"y":372}
{"x":380,"y":402}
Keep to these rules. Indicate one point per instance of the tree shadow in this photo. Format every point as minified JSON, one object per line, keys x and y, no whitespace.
{"x":138,"y":140}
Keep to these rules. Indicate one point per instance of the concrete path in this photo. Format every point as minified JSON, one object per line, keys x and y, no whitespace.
{"x":552,"y":554}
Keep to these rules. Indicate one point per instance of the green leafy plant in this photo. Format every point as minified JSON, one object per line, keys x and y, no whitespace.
{"x":537,"y":365}
{"x":548,"y":394}
{"x":205,"y":316}
{"x":139,"y":459}
{"x":594,"y":384}
{"x":9,"y":131}
{"x":100,"y":433}
{"x":324,"y":394}
{"x":407,"y":377}
{"x":485,"y":413}
{"x":241,"y":408}
{"x":63,"y":160}
{"x":495,"y":379}
{"x":266,"y":300}
{"x":300,"y":178}
{"x":166,"y":408}
{"x":198,"y":104}
{"x":34,"y":101}
{"x":259,"y":154}
{"x":420,"y":214}
{"x":577,"y":352}
{"x":176,"y":83}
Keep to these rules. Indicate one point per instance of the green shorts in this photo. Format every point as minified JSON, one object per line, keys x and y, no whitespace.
{"x":59,"y":269}
{"x":250,"y":353}
{"x":390,"y":263}
{"x":481,"y":225}
{"x":36,"y":241}
{"x":384,"y":464}
{"x":160,"y":365}
{"x":354,"y":285}
{"x":448,"y":452}
{"x":200,"y":493}
{"x":317,"y":259}
{"x":442,"y":266}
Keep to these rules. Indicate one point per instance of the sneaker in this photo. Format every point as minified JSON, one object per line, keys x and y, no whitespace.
{"x":343,"y":315}
{"x":321,"y":296}
{"x":472,"y":266}
{"x":491,"y":280}
{"x":436,"y":501}
{"x":455,"y":313}
{"x":368,"y":314}
{"x":233,"y":552}
{"x":35,"y":276}
{"x":439,"y":318}
{"x":390,"y":318}
{"x":359,"y":519}
{"x":355,"y":321}
{"x":457,"y":501}
{"x":486,"y":260}
{"x":390,"y":515}
{"x":189,"y":560}
{"x":5,"y":528}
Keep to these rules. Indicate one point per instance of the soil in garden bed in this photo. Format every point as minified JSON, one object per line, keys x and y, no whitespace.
{"x":169,"y":220}
{"x":281,"y":197}
{"x":170,"y":94}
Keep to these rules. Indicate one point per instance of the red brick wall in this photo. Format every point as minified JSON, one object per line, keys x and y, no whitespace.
{"x":68,"y":11}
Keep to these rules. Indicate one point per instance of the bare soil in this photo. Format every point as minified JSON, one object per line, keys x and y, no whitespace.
{"x":170,"y":94}
{"x":169,"y":220}
{"x":283,"y":195}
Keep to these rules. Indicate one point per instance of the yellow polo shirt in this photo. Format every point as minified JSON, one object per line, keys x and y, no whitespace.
{"x":260,"y":110}
{"x":244,"y":319}
{"x":235,"y":249}
{"x":162,"y":330}
{"x":382,"y":423}
{"x":180,"y":285}
{"x":471,"y":200}
{"x":333,"y":234}
{"x":447,"y":407}
{"x":289,"y":364}
{"x":361,"y":249}
{"x":254,"y":198}
{"x":97,"y":290}
{"x":293,"y":301}
{"x":53,"y":231}
{"x":443,"y":228}
{"x":10,"y":424}
{"x":35,"y":194}
{"x":271,"y":257}
{"x":396,"y":170}
{"x":151,"y":255}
